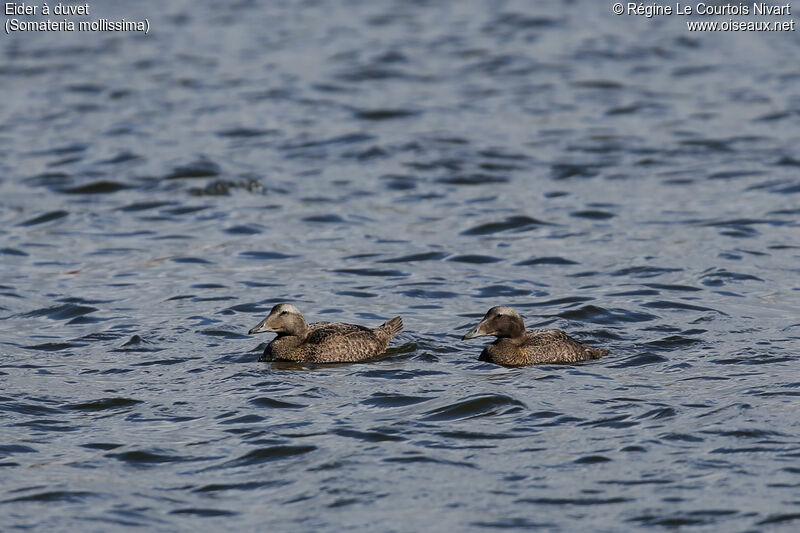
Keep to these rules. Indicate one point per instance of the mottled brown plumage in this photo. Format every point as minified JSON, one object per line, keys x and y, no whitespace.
{"x":322,"y":342}
{"x":516,"y":347}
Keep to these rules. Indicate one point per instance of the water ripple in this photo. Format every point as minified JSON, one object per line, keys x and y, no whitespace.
{"x":422,"y":159}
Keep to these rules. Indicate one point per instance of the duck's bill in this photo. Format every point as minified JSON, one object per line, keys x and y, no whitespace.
{"x":474,"y":332}
{"x":260,"y":328}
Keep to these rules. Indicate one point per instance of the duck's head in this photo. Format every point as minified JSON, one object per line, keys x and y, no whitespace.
{"x":499,"y":321}
{"x":284,"y":319}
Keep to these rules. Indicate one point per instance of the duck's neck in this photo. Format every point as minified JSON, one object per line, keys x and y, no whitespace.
{"x":515,"y":332}
{"x":299,"y":335}
{"x":295,"y":327}
{"x":516,"y":340}
{"x":299,"y":330}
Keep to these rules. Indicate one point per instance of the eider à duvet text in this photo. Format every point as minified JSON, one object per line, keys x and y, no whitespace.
{"x":322,"y":342}
{"x":516,"y":347}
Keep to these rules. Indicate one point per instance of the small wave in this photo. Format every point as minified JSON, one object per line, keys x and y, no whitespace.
{"x":500,"y":291}
{"x":223,"y":334}
{"x":672,"y":287}
{"x":191,"y":260}
{"x":55,"y":346}
{"x":325,"y":219}
{"x":592,"y":459}
{"x":244,"y":229}
{"x":779,"y":518}
{"x":474,"y":435}
{"x":352,"y":138}
{"x":617,"y":422}
{"x":372,"y":272}
{"x":593,"y":214}
{"x":562,"y":171}
{"x":11,"y":449}
{"x":521,"y":21}
{"x":56,"y":496}
{"x":601,"y":315}
{"x":226,"y":187}
{"x":426,"y":459}
{"x":641,"y":360}
{"x":476,"y":178}
{"x":357,"y":294}
{"x":384,"y":400}
{"x":719,"y":276}
{"x":13,"y":251}
{"x":397,"y":182}
{"x":401,"y":374}
{"x":61,"y":312}
{"x":144,"y":206}
{"x":204,"y":512}
{"x":385,"y":114}
{"x":105,"y":446}
{"x":475,"y":259}
{"x":244,"y":419}
{"x":413,"y":258}
{"x":555,"y":260}
{"x":122,"y":157}
{"x":706,"y":145}
{"x":733,"y":174}
{"x":246,"y":485}
{"x":62,"y":150}
{"x":430,"y":294}
{"x":502,"y":154}
{"x":514,"y":524}
{"x":485,"y":405}
{"x":658,"y":413}
{"x":643,"y":271}
{"x":370,"y":73}
{"x":269,"y":454}
{"x":265,"y":256}
{"x":272,"y":403}
{"x":573,"y":501}
{"x":245,"y":132}
{"x":147,"y":458}
{"x":43,"y":219}
{"x":674,"y":342}
{"x":202,"y":168}
{"x":664,"y":304}
{"x":163,"y":362}
{"x":558,"y":301}
{"x":97,"y":187}
{"x":515,"y":224}
{"x":676,"y":521}
{"x":103,"y":404}
{"x":368,"y":436}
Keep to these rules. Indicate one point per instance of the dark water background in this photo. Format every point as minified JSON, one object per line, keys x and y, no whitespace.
{"x":618,"y":177}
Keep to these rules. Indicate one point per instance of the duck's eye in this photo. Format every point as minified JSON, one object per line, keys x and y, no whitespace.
{"x":284,"y":313}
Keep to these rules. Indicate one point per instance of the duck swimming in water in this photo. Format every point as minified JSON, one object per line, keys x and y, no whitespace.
{"x":516,"y":347}
{"x":322,"y":342}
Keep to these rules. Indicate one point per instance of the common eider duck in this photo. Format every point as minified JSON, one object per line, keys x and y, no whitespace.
{"x":322,"y":342}
{"x":516,"y":347}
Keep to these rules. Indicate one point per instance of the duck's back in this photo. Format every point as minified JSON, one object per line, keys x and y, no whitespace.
{"x":335,"y":342}
{"x":541,"y":346}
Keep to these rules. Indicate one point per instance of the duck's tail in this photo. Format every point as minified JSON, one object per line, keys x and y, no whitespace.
{"x":392,"y":327}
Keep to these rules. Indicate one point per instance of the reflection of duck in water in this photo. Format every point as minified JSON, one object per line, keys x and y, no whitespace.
{"x":322,"y":342}
{"x":516,"y":347}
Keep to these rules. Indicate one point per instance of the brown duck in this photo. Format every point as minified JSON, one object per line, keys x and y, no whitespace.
{"x":322,"y":342}
{"x":516,"y":347}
